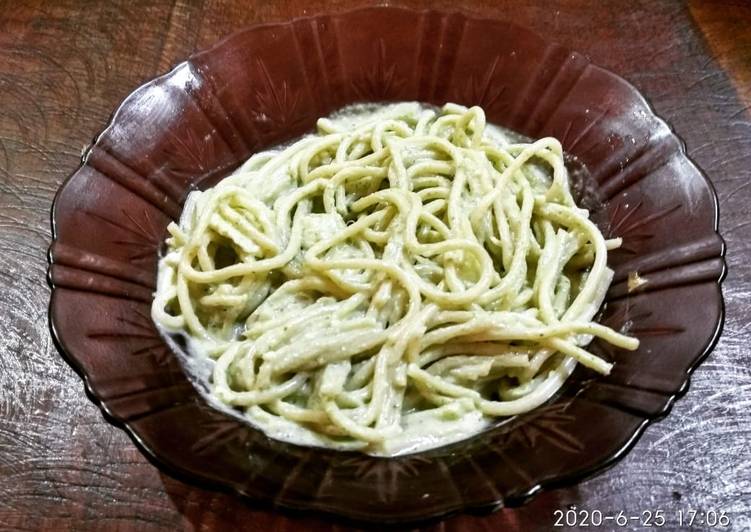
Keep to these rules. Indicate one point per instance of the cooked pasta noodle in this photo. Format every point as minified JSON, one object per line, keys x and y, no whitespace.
{"x":390,"y":283}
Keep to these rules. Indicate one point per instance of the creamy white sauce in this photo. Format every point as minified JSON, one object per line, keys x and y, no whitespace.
{"x":421,"y":430}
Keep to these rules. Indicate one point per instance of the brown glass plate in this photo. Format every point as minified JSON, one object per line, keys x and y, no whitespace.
{"x":269,"y":83}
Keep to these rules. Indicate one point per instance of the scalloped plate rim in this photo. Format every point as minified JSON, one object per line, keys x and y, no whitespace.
{"x":328,"y":510}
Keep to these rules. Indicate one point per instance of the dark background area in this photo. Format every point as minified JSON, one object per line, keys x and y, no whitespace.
{"x":64,"y":67}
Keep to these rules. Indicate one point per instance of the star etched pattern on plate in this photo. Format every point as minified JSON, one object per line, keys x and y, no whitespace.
{"x":259,"y":87}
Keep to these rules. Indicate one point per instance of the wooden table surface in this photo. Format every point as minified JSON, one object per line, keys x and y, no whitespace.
{"x":64,"y":67}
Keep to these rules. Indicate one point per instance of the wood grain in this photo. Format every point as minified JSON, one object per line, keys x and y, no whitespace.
{"x":64,"y":67}
{"x":724,"y":25}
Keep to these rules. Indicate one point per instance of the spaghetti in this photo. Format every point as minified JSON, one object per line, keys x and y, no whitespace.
{"x":390,"y":283}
